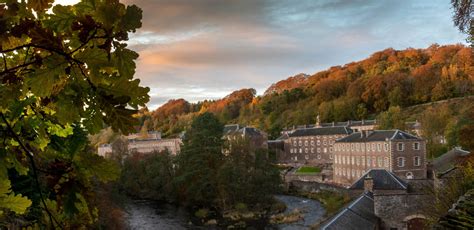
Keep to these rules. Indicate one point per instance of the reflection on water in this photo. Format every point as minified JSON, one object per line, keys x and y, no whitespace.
{"x":148,"y":215}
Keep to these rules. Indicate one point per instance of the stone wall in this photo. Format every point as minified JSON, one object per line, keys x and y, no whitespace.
{"x":306,"y":186}
{"x":395,"y":210}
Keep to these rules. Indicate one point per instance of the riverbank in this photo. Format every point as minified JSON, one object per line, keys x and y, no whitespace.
{"x":146,"y":214}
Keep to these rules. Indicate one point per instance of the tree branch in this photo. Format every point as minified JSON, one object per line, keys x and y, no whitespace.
{"x":29,"y":154}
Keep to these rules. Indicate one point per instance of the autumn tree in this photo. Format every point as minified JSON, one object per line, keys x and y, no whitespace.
{"x":66,"y":72}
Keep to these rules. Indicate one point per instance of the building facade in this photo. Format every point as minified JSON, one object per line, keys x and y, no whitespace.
{"x":256,"y":138}
{"x":393,"y":150}
{"x":312,"y":145}
{"x":147,"y":143}
{"x":387,"y":202}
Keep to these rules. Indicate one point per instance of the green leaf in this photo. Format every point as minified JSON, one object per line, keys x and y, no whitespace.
{"x":46,"y":81}
{"x":61,"y":19}
{"x":125,"y":62}
{"x":132,"y":19}
{"x":10,"y":201}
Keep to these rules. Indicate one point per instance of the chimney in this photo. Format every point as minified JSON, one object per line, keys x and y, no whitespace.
{"x":368,"y":183}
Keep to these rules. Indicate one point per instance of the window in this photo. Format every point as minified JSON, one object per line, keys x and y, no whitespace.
{"x":373,"y":146}
{"x":363,"y":160}
{"x":319,"y":150}
{"x":385,"y":147}
{"x":379,"y":147}
{"x":301,"y":150}
{"x":352,"y":147}
{"x":300,"y":143}
{"x":416,"y":146}
{"x":368,"y":161}
{"x":318,"y":142}
{"x":305,"y":143}
{"x":368,"y":147}
{"x":306,"y":157}
{"x":330,"y":156}
{"x":374,"y":161}
{"x":385,"y":162}
{"x":401,"y":162}
{"x":330,"y":149}
{"x":291,"y":150}
{"x":319,"y":157}
{"x":312,"y":150}
{"x":343,"y":160}
{"x":400,"y":146}
{"x":325,"y":143}
{"x":409,"y":175}
{"x":294,"y":143}
{"x":357,"y":160}
{"x":335,"y":160}
{"x":312,"y":143}
{"x":416,"y":161}
{"x":380,"y":161}
{"x":305,"y":150}
{"x":296,"y":158}
{"x":357,"y":146}
{"x":325,"y":150}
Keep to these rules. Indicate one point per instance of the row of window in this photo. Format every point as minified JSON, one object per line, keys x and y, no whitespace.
{"x":401,"y":161}
{"x":348,"y":172}
{"x":312,"y":143}
{"x":362,"y":160}
{"x":307,"y":150}
{"x":372,"y":147}
{"x":373,"y":161}
{"x":306,"y":157}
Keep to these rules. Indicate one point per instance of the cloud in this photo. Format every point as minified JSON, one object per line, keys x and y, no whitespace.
{"x":220,"y":46}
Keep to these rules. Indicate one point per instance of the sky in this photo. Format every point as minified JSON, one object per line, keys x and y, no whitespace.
{"x":205,"y":49}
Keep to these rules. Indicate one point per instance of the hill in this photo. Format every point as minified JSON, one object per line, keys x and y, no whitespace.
{"x":358,"y":90}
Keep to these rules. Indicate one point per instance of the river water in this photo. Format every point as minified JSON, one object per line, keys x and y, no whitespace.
{"x":149,"y":215}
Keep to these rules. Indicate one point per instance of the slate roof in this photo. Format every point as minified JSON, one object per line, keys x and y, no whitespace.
{"x":320,"y":131}
{"x":357,"y":215}
{"x":238,"y":129}
{"x":231,"y":128}
{"x":350,"y":123}
{"x":383,"y":180}
{"x":450,"y":159}
{"x":378,"y":135}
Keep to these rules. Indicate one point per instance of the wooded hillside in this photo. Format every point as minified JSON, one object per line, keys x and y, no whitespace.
{"x":358,"y":90}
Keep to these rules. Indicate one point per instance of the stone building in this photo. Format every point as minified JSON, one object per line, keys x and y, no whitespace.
{"x":145,"y":143}
{"x":312,"y":145}
{"x":387,"y":202}
{"x":393,"y":150}
{"x":257,"y":138}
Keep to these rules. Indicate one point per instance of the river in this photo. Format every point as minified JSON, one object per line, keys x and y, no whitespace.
{"x":148,"y":215}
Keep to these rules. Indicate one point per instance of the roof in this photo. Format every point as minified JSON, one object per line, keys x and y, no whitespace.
{"x":450,"y":159}
{"x":357,"y":215}
{"x":284,"y":136}
{"x":320,"y":131}
{"x":231,"y":128}
{"x":245,"y":131}
{"x":378,"y":135}
{"x":350,"y":123}
{"x":383,"y":180}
